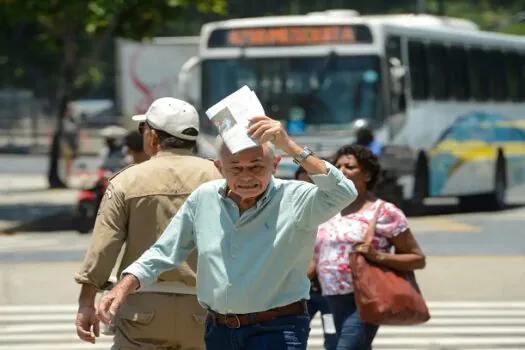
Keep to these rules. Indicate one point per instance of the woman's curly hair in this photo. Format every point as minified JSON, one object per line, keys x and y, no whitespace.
{"x":365,"y":158}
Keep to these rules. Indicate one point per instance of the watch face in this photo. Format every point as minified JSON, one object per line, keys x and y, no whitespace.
{"x":307,"y":151}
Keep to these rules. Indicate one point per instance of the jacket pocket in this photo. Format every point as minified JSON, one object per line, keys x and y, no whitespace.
{"x":128,"y":313}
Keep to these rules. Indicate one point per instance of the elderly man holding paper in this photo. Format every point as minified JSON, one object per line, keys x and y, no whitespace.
{"x":255,"y":236}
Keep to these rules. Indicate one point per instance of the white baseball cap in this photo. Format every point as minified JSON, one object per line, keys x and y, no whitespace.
{"x":172,"y":116}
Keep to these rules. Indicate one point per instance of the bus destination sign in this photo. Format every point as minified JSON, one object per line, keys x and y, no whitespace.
{"x":290,"y":36}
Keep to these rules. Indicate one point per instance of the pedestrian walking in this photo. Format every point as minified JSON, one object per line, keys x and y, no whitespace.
{"x":346,"y":231}
{"x":317,"y":303}
{"x":135,"y":147}
{"x":136,"y":208}
{"x":255,"y":236}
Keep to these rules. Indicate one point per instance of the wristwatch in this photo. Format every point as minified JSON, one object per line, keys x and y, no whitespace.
{"x":303,"y":155}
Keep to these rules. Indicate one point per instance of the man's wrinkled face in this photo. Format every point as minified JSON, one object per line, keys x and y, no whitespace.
{"x":249,"y":172}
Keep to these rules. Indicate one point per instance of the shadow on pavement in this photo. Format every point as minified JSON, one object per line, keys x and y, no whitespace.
{"x":37,"y":217}
{"x":449,"y":209}
{"x":11,"y":149}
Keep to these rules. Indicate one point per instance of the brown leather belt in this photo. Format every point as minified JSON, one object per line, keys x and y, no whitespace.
{"x":239,"y":320}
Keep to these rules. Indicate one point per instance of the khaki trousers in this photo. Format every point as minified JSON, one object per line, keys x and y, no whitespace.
{"x":160,"y":321}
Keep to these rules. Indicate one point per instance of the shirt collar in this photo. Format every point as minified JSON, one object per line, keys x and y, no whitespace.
{"x":174,"y":152}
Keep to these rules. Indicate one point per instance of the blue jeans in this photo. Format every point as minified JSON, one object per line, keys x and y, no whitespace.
{"x":282,"y":333}
{"x":318,"y":303}
{"x":352,"y":333}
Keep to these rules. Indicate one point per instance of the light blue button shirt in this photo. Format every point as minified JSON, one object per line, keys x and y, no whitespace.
{"x":250,"y":262}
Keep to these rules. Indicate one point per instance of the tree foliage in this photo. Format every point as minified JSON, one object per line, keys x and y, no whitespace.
{"x":54,"y":46}
{"x":75,"y":34}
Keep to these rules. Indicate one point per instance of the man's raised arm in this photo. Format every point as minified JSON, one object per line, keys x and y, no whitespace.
{"x":313,"y":204}
{"x":332,"y":192}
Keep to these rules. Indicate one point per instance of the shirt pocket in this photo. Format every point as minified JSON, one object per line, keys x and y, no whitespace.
{"x":131,"y":314}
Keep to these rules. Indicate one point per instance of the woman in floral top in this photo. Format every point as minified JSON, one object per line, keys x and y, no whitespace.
{"x":337,"y":236}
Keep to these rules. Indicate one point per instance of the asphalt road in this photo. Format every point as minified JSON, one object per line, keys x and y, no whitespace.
{"x":443,"y":231}
{"x":471,"y":258}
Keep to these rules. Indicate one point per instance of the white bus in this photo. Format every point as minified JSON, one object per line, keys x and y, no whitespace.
{"x":443,"y":97}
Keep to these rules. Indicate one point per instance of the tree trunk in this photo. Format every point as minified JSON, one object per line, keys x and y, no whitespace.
{"x":63,"y":98}
{"x":69,"y":70}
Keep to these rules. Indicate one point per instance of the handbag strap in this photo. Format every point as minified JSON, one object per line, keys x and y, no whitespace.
{"x":369,"y":235}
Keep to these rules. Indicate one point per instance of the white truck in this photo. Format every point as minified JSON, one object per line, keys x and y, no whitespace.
{"x":148,"y":70}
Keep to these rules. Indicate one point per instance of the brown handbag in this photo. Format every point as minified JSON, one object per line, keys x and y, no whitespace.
{"x":385,"y":296}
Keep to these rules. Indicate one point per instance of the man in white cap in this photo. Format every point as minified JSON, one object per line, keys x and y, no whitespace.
{"x":137,"y":206}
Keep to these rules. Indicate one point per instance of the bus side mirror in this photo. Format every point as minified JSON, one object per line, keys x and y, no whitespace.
{"x":397,"y":75}
{"x":397,"y":87}
{"x":189,"y":88}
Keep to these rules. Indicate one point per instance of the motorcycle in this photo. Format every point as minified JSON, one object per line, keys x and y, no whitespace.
{"x":93,"y":189}
{"x":88,"y":200}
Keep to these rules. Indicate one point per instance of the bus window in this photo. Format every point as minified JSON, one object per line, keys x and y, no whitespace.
{"x":497,"y":74}
{"x":330,"y":92}
{"x":439,"y":87}
{"x":393,"y":47}
{"x":418,"y":70}
{"x":514,"y":77}
{"x":521,"y":70}
{"x":479,"y":79}
{"x":397,"y":74}
{"x":458,"y":73}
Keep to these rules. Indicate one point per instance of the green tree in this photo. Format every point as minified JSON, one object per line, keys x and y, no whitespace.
{"x":80,"y":30}
{"x":505,"y":16}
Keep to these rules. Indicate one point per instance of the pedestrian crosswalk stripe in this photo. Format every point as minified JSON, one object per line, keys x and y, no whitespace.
{"x":453,"y":326}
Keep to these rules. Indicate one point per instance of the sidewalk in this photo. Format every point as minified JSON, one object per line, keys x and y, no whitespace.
{"x":25,"y":198}
{"x":90,"y":143}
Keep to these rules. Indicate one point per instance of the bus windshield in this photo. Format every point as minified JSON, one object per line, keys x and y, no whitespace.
{"x":322,"y":94}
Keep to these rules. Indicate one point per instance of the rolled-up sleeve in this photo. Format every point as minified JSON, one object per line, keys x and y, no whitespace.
{"x":170,"y":250}
{"x":109,"y":235}
{"x":331,"y":193}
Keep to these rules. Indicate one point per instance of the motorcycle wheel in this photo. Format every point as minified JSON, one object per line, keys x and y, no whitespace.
{"x":84,"y":218}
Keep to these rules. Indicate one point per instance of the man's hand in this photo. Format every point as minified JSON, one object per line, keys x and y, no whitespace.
{"x":87,"y":324}
{"x":110,"y":303}
{"x":265,"y":129}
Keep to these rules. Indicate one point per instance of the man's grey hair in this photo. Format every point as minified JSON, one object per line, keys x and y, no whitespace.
{"x":220,"y":147}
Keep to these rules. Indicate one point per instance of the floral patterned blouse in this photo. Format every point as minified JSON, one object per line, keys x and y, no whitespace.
{"x":336,"y":236}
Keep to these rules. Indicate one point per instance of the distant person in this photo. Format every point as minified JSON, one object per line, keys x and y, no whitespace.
{"x":365,"y":137}
{"x":112,"y":156}
{"x":317,"y":303}
{"x":70,"y":139}
{"x":135,"y":147}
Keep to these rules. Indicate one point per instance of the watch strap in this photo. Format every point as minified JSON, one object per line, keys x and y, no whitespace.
{"x":303,"y":155}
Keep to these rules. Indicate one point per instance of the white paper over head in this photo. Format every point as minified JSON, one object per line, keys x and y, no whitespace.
{"x":232,"y":117}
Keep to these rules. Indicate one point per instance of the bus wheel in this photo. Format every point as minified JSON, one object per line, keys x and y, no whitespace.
{"x":416,"y":204}
{"x":494,"y":200}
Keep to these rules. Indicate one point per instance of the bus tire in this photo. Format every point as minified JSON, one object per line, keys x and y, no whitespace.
{"x":421,"y":182}
{"x":494,"y":200}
